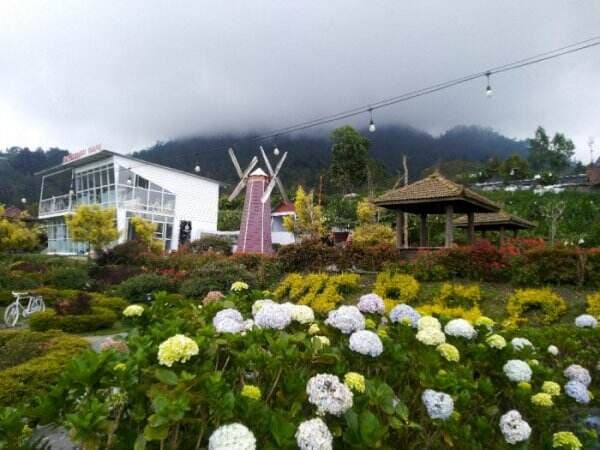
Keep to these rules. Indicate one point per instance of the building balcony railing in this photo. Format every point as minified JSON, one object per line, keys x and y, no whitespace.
{"x":55,"y":205}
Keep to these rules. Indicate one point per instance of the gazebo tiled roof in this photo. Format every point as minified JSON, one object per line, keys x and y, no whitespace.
{"x":494,"y":221}
{"x":431,"y":195}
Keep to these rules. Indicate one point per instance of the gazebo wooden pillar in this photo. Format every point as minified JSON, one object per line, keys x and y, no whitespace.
{"x":434,"y":194}
{"x":424,"y":232}
{"x":471,"y":227}
{"x":449,"y":235}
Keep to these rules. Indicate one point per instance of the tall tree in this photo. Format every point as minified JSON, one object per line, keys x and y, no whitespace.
{"x":94,"y":225}
{"x":550,"y":154}
{"x":514,"y":168}
{"x":309,"y":222}
{"x":15,"y":236}
{"x":350,"y":159}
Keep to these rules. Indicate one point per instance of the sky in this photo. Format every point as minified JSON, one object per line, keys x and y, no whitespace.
{"x":127,"y":74}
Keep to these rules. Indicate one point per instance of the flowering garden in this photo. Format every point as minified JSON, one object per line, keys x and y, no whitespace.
{"x":233,"y":357}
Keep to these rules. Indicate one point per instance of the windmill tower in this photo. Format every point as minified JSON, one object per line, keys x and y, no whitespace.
{"x":255,"y":231}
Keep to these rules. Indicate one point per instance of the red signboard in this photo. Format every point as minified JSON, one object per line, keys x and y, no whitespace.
{"x":82,"y":153}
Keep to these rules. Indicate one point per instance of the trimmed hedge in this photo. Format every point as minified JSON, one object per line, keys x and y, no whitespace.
{"x":48,"y":320}
{"x":28,"y":377}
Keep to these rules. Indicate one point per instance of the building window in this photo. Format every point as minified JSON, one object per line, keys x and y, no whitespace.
{"x":137,"y":193}
{"x":164,"y":226}
{"x":95,"y":186}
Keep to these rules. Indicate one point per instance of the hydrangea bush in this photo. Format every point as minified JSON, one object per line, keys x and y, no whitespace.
{"x":288,"y":383}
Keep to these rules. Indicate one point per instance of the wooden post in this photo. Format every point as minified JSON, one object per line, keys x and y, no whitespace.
{"x":424,"y":236}
{"x":449,"y":227}
{"x":471,"y":227}
{"x":405,"y":219}
{"x":399,"y":229}
{"x":502,"y":235}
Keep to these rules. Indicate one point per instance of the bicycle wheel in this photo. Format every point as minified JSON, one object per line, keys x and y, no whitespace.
{"x":36,"y":305}
{"x":11,"y":315}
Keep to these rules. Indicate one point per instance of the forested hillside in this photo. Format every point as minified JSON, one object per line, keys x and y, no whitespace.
{"x":309,"y":156}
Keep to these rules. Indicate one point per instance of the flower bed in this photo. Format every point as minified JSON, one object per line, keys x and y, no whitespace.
{"x":233,"y":374}
{"x":551,"y":304}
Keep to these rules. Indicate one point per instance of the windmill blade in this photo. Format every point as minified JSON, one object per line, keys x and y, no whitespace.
{"x":268,"y":190}
{"x":274,"y":175}
{"x":241,"y":185}
{"x":274,"y":180}
{"x":244,"y":179}
{"x":235,"y":162}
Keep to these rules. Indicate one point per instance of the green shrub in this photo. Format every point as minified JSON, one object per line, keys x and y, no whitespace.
{"x":76,"y":306}
{"x":216,"y":276}
{"x":52,"y":295}
{"x":6,"y":297}
{"x":592,"y":267}
{"x":115,"y":304}
{"x":108,"y":275}
{"x":216,"y":244}
{"x":49,"y":320}
{"x":129,"y":253}
{"x":136,"y":288}
{"x":31,"y":374}
{"x":68,"y":277}
{"x":547,"y":266}
{"x":308,"y":256}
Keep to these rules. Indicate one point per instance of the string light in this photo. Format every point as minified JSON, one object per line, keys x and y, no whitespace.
{"x":276,"y":149}
{"x":372,"y":127}
{"x":197,"y":168}
{"x":387,"y":102}
{"x":488,"y":89}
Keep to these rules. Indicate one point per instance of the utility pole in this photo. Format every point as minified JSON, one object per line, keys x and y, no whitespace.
{"x":320,"y":188}
{"x":405,"y":166}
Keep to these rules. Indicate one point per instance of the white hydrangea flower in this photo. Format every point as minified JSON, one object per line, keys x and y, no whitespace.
{"x":405,"y":314}
{"x":301,"y":313}
{"x":439,"y":405}
{"x":519,"y":343}
{"x":229,"y":321}
{"x":517,"y":370}
{"x":575,"y":372}
{"x":366,"y":343}
{"x":347,"y":319}
{"x":514,"y":428}
{"x":258,"y":304}
{"x":460,"y":328}
{"x":428,"y":322}
{"x":328,"y":394}
{"x":431,"y":336}
{"x":313,"y":434}
{"x":578,"y":392}
{"x":234,"y":436}
{"x":553,"y":350}
{"x":586,"y":321}
{"x":371,"y":303}
{"x":273,"y":315}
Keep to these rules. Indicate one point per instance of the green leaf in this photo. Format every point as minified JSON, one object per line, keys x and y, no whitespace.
{"x":370,"y":428}
{"x":166,"y":376}
{"x":155,"y":433}
{"x":140,"y":443}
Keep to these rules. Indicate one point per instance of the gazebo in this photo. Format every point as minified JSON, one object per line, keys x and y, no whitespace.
{"x":500,"y":221}
{"x":435,"y":194}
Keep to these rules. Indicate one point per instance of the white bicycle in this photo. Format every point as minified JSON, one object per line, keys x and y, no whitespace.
{"x":16,"y":309}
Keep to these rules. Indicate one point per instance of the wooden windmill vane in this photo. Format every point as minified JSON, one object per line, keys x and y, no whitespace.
{"x":255,"y":231}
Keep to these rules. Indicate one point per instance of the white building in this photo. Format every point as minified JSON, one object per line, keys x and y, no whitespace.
{"x":183,"y":205}
{"x":279,"y":234}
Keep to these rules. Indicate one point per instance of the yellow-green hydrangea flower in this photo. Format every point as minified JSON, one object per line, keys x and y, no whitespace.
{"x":449,"y":352}
{"x":178,"y":348}
{"x":239,"y":286}
{"x":566,"y":440}
{"x":484,"y":321}
{"x":133,"y":311}
{"x":524,"y":385}
{"x":370,"y":324}
{"x":542,"y":399}
{"x":119,"y":367}
{"x":313,"y":329}
{"x":550,"y":387}
{"x":323,"y":340}
{"x":496,"y":341}
{"x":382,"y":332}
{"x":251,"y":391}
{"x":355,"y":381}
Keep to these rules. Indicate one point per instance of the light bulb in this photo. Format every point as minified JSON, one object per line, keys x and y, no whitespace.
{"x":276,"y":151}
{"x":372,"y":127}
{"x":23,"y":200}
{"x":129,"y":180}
{"x":488,"y":91}
{"x":197,"y":169}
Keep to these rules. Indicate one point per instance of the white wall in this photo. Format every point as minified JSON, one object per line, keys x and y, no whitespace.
{"x":197,"y":200}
